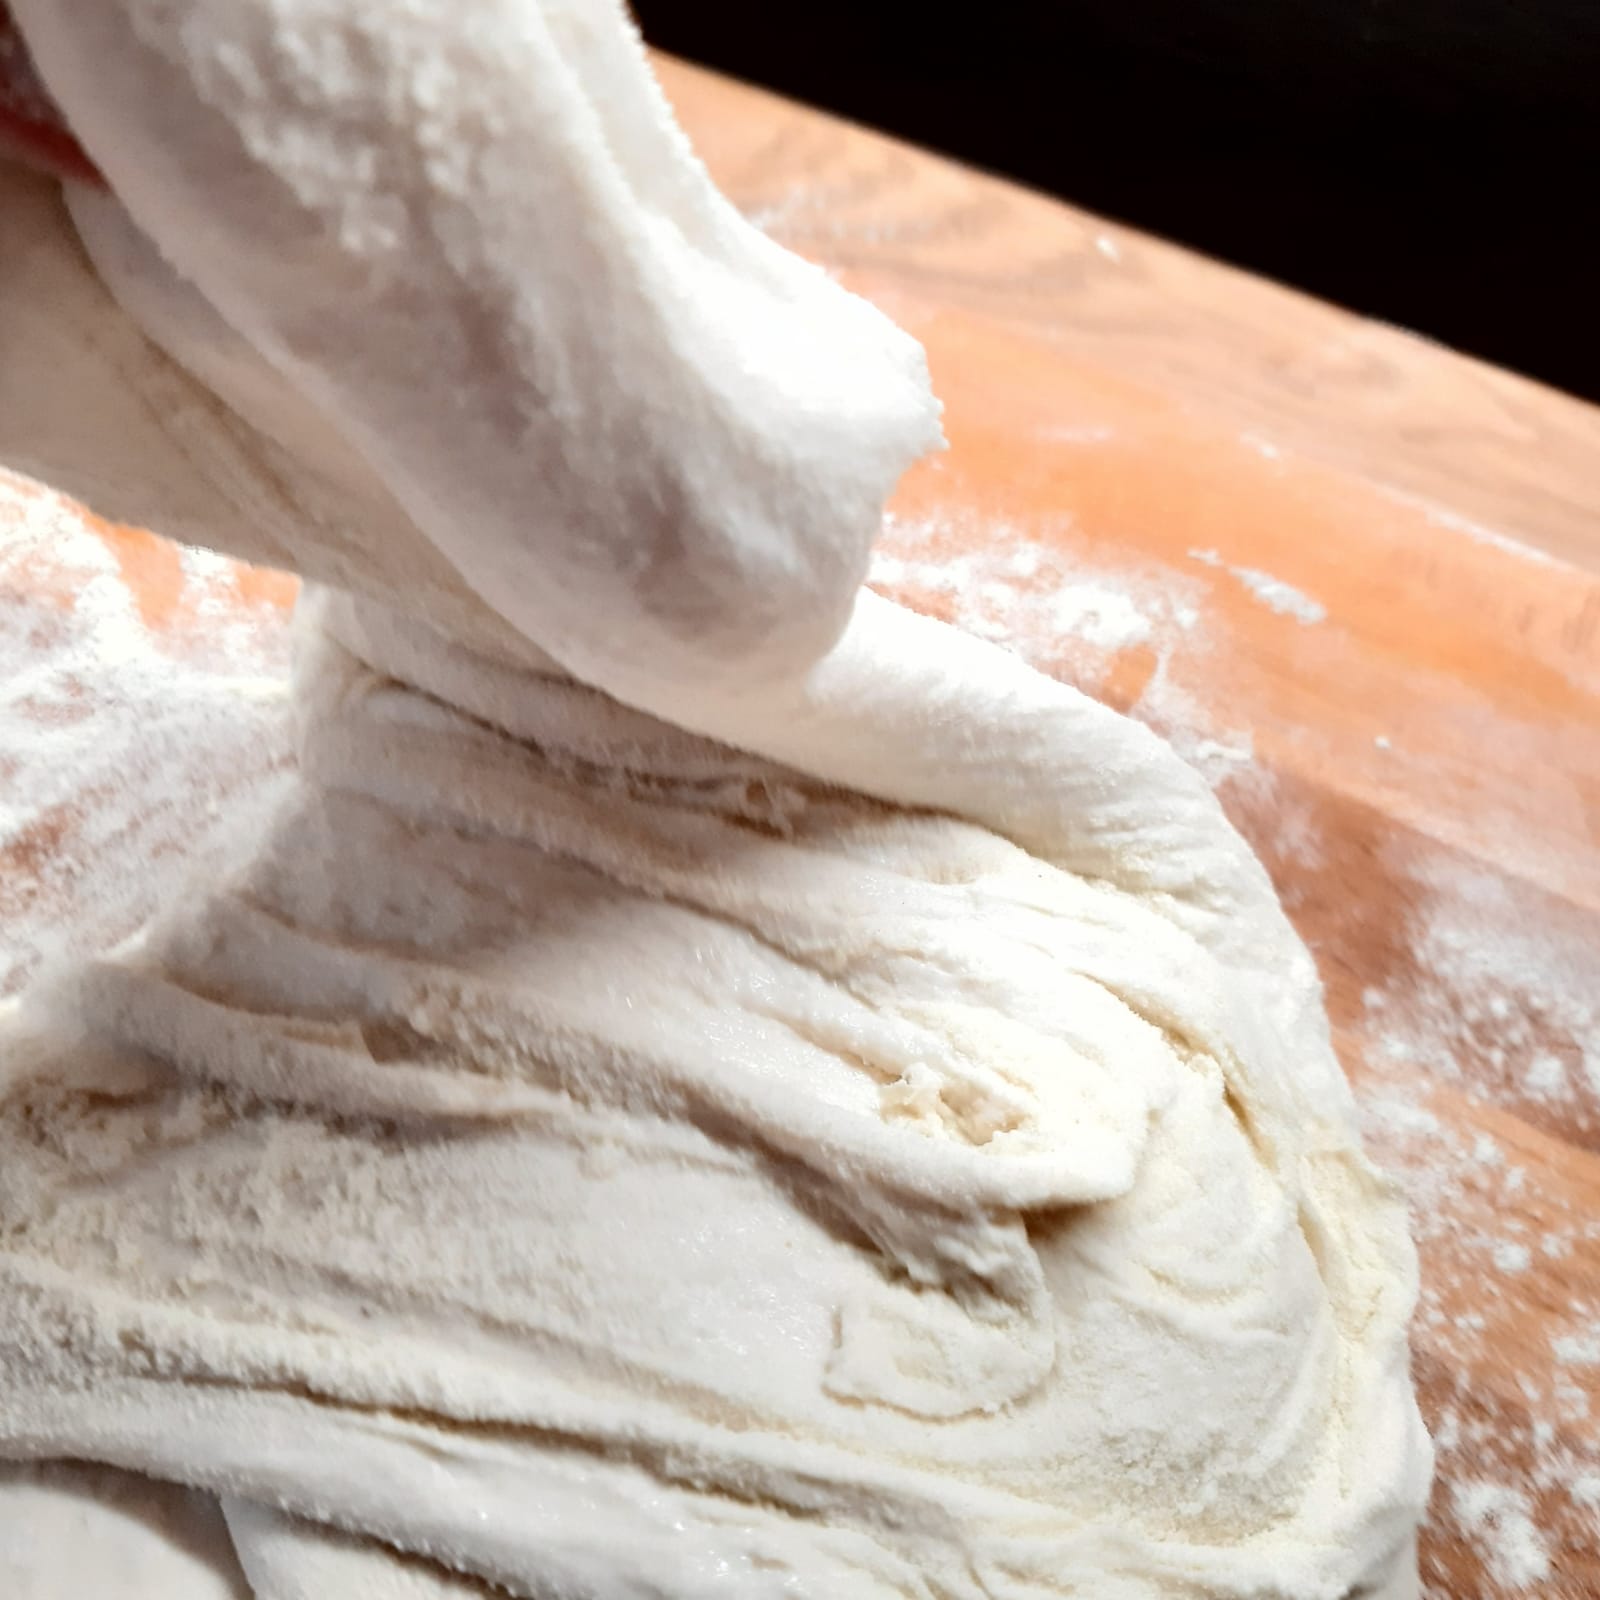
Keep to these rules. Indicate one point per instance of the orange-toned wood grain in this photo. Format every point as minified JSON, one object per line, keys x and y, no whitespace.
{"x":151,"y":569}
{"x":1365,"y":398}
{"x":1420,"y":768}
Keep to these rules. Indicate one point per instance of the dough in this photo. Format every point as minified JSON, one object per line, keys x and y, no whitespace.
{"x":77,"y":1531}
{"x":653,"y":440}
{"x":711,"y":1085}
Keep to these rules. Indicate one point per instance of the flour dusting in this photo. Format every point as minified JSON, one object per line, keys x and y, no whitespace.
{"x":123,"y":748}
{"x":1496,"y":1517}
{"x":1273,"y":593}
{"x":1494,"y":1008}
{"x":1005,"y":584}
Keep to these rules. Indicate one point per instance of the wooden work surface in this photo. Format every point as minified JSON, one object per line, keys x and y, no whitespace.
{"x":1355,"y":395}
{"x":1353,"y":577}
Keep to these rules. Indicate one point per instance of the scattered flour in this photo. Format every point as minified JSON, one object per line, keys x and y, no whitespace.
{"x":1546,"y":1077}
{"x":1273,"y":593}
{"x":1497,"y":1005}
{"x":1497,"y":1518}
{"x":1065,"y":614}
{"x":121,"y":746}
{"x":1262,"y":447}
{"x":1218,"y":759}
{"x":1579,"y":1350}
{"x":806,"y":212}
{"x":1078,"y":433}
{"x":1511,"y":1257}
{"x":1476,"y":531}
{"x":1002,"y":583}
{"x":1505,"y":993}
{"x":1103,"y":616}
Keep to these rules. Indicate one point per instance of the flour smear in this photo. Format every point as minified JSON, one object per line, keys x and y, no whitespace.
{"x":126,"y":750}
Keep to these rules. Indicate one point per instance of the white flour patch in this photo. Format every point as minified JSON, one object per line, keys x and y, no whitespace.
{"x":1580,"y":1350}
{"x":1218,"y":759}
{"x":1100,"y":615}
{"x":1273,"y":593}
{"x":1505,"y":993}
{"x":1223,"y":756}
{"x":1004,"y":585}
{"x":123,"y":751}
{"x":1072,"y":620}
{"x":1546,"y":1077}
{"x":1284,"y":598}
{"x":1497,"y":1520}
{"x":808,"y":212}
{"x":1476,"y":531}
{"x":1494,"y":1005}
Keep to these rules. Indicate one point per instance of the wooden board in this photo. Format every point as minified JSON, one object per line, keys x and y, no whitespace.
{"x":1351,"y":575}
{"x":1364,"y":398}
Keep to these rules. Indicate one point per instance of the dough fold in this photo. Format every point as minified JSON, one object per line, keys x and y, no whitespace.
{"x":575,"y":1152}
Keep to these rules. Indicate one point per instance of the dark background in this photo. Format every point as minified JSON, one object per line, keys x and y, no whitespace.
{"x":1435,"y":163}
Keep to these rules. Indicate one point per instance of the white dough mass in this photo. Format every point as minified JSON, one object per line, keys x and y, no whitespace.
{"x":710,"y":1085}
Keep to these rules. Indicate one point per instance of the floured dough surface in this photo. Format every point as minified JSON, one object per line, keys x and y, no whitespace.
{"x":565,"y":1124}
{"x":644,"y":434}
{"x":859,"y":1126}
